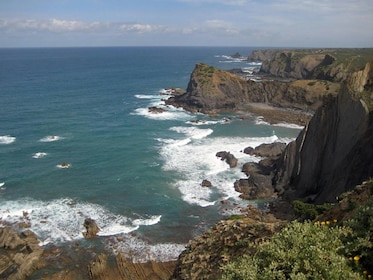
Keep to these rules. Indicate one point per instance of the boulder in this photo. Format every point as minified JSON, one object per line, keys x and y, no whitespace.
{"x":255,"y":187}
{"x":228,"y":157}
{"x":91,"y":228}
{"x":206,"y":183}
{"x":267,"y":150}
{"x":156,"y":110}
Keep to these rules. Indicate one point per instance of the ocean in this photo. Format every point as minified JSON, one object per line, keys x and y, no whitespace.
{"x":77,"y":141}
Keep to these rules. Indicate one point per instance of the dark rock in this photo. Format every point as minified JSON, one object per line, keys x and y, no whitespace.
{"x":255,"y":188}
{"x":156,"y":110}
{"x":228,"y":157}
{"x":334,"y":152}
{"x":91,"y":228}
{"x":206,"y":183}
{"x":251,"y":168}
{"x":236,"y":55}
{"x":267,"y":150}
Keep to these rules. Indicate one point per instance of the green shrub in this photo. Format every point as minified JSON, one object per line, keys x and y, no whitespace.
{"x":307,"y":211}
{"x":235,"y":217}
{"x":360,"y":241}
{"x":299,"y":251}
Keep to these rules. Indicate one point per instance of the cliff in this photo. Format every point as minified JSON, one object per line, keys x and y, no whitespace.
{"x":225,"y":242}
{"x":325,"y":64}
{"x":211,"y":90}
{"x":334,"y":152}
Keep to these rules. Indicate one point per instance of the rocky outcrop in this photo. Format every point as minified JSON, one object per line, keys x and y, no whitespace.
{"x":91,"y":228}
{"x":205,"y":255}
{"x":206,"y":183}
{"x":259,"y":184}
{"x":211,"y":90}
{"x":266,"y":150}
{"x":156,"y":110}
{"x":334,"y":152}
{"x":228,"y":158}
{"x":19,"y":254}
{"x":326,"y":64}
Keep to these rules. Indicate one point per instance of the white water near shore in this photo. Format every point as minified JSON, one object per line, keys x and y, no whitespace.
{"x":92,"y":149}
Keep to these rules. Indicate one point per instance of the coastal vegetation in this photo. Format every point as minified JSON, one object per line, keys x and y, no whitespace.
{"x":316,"y":249}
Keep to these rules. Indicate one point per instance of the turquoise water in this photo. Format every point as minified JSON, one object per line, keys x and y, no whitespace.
{"x":132,"y":171}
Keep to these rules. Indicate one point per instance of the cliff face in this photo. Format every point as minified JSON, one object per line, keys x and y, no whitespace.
{"x":334,"y":152}
{"x":211,"y":89}
{"x":326,"y":64}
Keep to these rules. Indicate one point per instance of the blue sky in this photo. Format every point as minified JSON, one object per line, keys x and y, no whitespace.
{"x":268,"y":23}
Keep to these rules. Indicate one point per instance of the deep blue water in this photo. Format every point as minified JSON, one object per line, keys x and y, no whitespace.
{"x":131,"y":171}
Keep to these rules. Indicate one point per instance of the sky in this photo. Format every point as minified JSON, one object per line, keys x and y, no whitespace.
{"x":250,"y":23}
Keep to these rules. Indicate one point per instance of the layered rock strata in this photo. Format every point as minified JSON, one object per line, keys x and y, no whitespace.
{"x":334,"y":152}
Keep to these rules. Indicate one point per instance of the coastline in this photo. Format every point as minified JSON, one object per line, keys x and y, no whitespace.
{"x":276,"y":115}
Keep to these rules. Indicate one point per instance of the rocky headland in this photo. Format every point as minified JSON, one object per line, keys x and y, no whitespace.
{"x":211,"y":90}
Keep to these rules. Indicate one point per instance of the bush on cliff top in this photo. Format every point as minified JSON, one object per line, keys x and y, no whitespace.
{"x":299,"y":251}
{"x":360,"y":241}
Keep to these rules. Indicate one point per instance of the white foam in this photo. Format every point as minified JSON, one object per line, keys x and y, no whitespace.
{"x":146,"y":96}
{"x":194,"y":159}
{"x":193,"y":132}
{"x":140,"y":251}
{"x":289,"y":125}
{"x":7,"y":139}
{"x":170,"y":113}
{"x":260,"y":121}
{"x":39,"y":155}
{"x":147,"y":222}
{"x":63,"y":165}
{"x":62,"y":220}
{"x":50,"y":138}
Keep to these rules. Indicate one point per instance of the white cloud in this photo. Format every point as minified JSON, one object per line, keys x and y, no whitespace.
{"x":141,"y":28}
{"x":52,"y":25}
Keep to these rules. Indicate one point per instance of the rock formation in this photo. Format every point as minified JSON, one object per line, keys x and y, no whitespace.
{"x":156,"y":110}
{"x":228,"y":157}
{"x":325,"y":64}
{"x":206,"y":183}
{"x":20,"y":254}
{"x":211,"y":89}
{"x":91,"y":228}
{"x":259,"y":182}
{"x":205,"y":255}
{"x":334,"y":152}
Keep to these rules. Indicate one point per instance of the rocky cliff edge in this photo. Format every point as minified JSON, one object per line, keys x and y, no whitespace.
{"x":334,"y":152}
